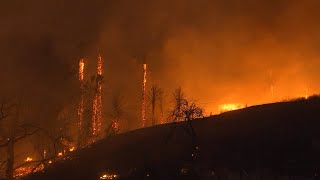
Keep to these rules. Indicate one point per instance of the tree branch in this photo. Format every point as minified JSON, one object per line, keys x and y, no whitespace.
{"x":5,"y":143}
{"x":25,"y":134}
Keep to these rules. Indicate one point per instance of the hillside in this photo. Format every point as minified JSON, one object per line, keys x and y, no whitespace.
{"x":269,"y":140}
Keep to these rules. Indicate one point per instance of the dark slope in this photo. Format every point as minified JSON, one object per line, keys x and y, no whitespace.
{"x":278,"y":136}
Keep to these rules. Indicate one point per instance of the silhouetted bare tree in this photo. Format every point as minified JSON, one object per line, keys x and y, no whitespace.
{"x":154,"y":98}
{"x":183,"y":109}
{"x":11,"y":113}
{"x":178,"y":101}
{"x":186,"y":110}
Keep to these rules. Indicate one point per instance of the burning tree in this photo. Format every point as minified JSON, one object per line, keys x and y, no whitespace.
{"x":81,"y":101}
{"x":143,"y":107}
{"x":97,"y":102}
{"x":155,"y":96}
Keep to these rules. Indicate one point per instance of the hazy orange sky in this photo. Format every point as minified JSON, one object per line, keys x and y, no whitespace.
{"x":217,"y":51}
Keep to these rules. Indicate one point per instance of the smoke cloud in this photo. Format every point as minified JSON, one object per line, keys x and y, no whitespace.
{"x":217,"y":51}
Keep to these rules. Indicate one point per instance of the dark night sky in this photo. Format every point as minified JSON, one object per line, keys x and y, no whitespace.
{"x":218,"y":51}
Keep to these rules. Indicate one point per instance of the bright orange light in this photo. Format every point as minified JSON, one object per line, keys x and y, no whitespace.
{"x":72,"y":149}
{"x":230,"y":107}
{"x":81,"y":69}
{"x":109,"y":176}
{"x":81,"y":103}
{"x":97,"y":101}
{"x":28,"y":159}
{"x":144,"y":95}
{"x":115,"y":125}
{"x":99,"y":68}
{"x":23,"y":171}
{"x":60,"y":154}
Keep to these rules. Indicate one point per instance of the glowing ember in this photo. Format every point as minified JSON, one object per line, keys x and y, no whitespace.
{"x":97,"y":102}
{"x":115,"y":125}
{"x":230,"y":107}
{"x":60,"y":154}
{"x":81,"y":103}
{"x":28,"y":159}
{"x":72,"y":149}
{"x":23,"y":171}
{"x":44,"y":154}
{"x":109,"y":176}
{"x":81,"y":70}
{"x":144,"y":95}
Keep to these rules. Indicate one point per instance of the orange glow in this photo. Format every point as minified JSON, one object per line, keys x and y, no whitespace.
{"x":97,"y":102}
{"x":81,"y":70}
{"x":230,"y":107}
{"x":44,"y":154}
{"x":306,"y":93}
{"x":161,"y":118}
{"x":72,"y":149}
{"x":109,"y":176}
{"x":115,"y":125}
{"x":144,"y":95}
{"x":23,"y":171}
{"x":29,"y":159}
{"x":60,"y":153}
{"x":99,"y":68}
{"x":81,"y":103}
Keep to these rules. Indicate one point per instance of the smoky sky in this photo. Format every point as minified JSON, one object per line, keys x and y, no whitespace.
{"x":217,"y":51}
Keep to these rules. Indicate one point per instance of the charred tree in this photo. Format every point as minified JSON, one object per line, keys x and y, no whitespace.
{"x":186,"y":110}
{"x":179,"y":101}
{"x":155,"y":98}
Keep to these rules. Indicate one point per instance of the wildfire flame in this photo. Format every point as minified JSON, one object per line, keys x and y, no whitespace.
{"x":72,"y":149}
{"x":144,"y":95}
{"x":44,"y":154}
{"x":81,"y":70}
{"x":115,"y":125}
{"x":97,"y":102}
{"x":230,"y":107}
{"x":81,"y":103}
{"x":109,"y":176}
{"x":23,"y":171}
{"x":29,"y":159}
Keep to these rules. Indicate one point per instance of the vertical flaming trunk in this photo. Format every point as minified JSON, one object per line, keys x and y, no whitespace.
{"x":144,"y":95}
{"x":81,"y":103}
{"x":97,"y":102}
